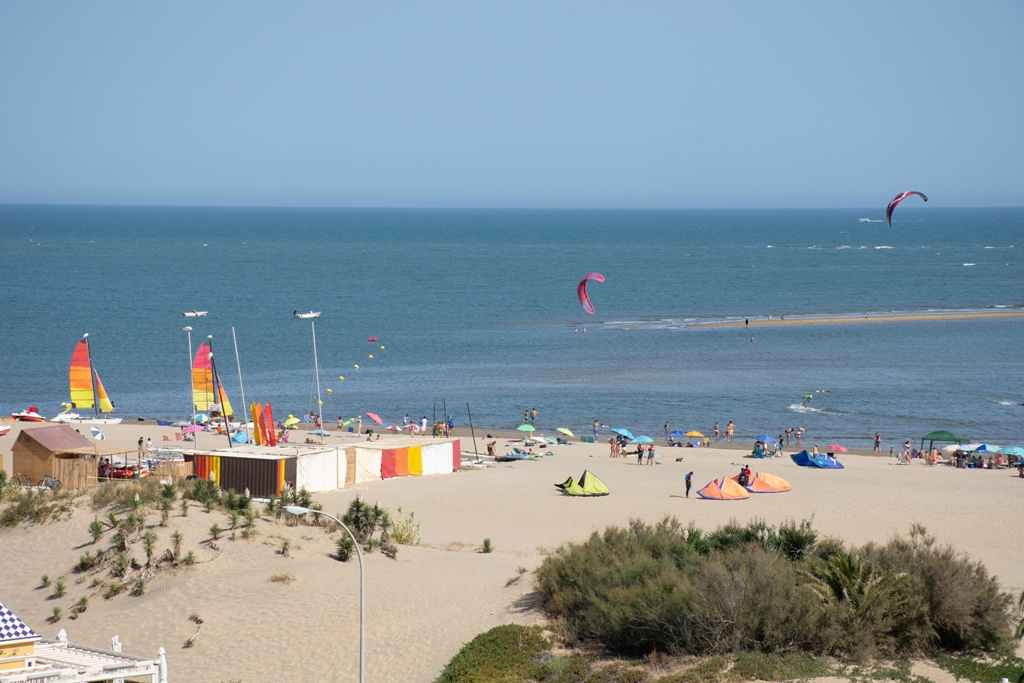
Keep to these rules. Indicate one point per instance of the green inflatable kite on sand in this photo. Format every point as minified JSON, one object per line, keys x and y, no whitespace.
{"x":588,"y":485}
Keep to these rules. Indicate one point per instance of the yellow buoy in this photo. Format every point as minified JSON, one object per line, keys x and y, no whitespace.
{"x":330,"y":391}
{"x":381,"y":348}
{"x":356,"y":367}
{"x":341,"y":378}
{"x":370,"y":356}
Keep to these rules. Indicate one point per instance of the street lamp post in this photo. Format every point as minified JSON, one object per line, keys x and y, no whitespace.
{"x":298,"y":511}
{"x":192,"y":389}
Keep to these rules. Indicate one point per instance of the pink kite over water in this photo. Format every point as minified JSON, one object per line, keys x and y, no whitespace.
{"x":581,"y":291}
{"x":896,"y":200}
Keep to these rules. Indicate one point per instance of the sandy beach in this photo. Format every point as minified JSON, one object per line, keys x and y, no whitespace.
{"x":879,"y":318}
{"x":422,"y":606}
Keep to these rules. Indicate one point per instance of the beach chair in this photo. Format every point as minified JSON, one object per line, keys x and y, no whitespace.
{"x":166,"y":438}
{"x":177,"y":436}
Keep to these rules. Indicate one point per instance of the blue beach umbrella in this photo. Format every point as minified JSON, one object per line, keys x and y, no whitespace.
{"x":643,"y":439}
{"x":1011,"y":450}
{"x":765,"y":438}
{"x":677,"y":432}
{"x":623,"y":432}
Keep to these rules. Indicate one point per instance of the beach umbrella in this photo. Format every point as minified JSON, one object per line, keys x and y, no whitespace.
{"x":970,"y":448}
{"x":202,"y":417}
{"x":376,"y":418}
{"x":395,"y":428}
{"x":525,"y":427}
{"x":837,"y":447}
{"x":623,"y":432}
{"x":766,"y":438}
{"x":678,"y":432}
{"x":98,"y":434}
{"x":565,"y":431}
{"x":694,"y":433}
{"x":951,"y":448}
{"x":1011,"y":450}
{"x":643,"y":439}
{"x":292,"y":420}
{"x":191,"y":428}
{"x":987,"y":447}
{"x":320,"y":432}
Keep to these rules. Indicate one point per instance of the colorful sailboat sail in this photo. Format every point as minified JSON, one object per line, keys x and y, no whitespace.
{"x":207,"y":389}
{"x":87,"y":390}
{"x":257,"y":433}
{"x":269,"y":415}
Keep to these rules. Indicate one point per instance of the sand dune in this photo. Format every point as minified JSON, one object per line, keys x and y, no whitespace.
{"x":421,"y":607}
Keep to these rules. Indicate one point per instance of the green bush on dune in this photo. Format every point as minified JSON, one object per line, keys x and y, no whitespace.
{"x":666,"y":588}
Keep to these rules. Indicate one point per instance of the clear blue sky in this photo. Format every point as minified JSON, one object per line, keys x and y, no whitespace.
{"x":512,"y":104}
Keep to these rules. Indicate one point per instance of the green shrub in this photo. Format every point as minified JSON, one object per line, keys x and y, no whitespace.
{"x":123,"y":494}
{"x":663,"y":588}
{"x":344,"y":548}
{"x":487,"y":547}
{"x":96,"y":529}
{"x":965,"y":608}
{"x":406,"y":530}
{"x":215,"y":531}
{"x":505,"y":653}
{"x":60,"y":589}
{"x":56,"y":616}
{"x":45,"y":581}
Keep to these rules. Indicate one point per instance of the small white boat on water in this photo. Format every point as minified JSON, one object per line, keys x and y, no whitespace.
{"x":194,"y":314}
{"x":311,"y":314}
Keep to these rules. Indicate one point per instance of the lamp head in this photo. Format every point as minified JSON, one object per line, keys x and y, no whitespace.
{"x":187,"y":328}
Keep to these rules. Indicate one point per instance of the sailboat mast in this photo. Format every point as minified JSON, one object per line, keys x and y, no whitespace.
{"x":217,"y":391}
{"x":93,"y":380}
{"x":238,"y":364}
{"x":316,"y":371}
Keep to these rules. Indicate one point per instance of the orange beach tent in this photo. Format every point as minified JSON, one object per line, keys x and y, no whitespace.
{"x":762,"y":482}
{"x":723,"y":489}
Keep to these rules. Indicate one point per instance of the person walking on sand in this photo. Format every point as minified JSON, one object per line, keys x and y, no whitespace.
{"x":689,"y":482}
{"x":650,"y":454}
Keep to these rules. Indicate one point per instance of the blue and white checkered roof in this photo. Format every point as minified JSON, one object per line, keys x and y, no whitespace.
{"x":12,"y":628}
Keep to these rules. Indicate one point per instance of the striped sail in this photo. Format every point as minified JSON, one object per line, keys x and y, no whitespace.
{"x":81,"y":377}
{"x":207,"y":389}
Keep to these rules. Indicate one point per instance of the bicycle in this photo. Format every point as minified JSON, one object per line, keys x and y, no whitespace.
{"x":21,"y":481}
{"x":50,"y":483}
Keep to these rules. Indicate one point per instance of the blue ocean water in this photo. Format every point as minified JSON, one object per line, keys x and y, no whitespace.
{"x":479,"y":307}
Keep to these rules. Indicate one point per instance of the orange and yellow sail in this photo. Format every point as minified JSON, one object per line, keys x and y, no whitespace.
{"x":207,"y":389}
{"x":84,"y":393}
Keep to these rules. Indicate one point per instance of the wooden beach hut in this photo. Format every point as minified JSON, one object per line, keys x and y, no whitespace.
{"x":34,"y":450}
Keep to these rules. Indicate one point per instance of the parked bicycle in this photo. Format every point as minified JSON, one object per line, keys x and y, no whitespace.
{"x":21,"y":481}
{"x":51,"y":483}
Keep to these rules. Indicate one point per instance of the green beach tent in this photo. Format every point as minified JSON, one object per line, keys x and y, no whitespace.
{"x":941,"y":436}
{"x":588,"y":485}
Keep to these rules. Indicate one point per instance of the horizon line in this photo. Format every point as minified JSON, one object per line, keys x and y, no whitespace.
{"x":489,"y":208}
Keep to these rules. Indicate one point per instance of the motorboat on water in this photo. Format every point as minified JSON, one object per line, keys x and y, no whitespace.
{"x":311,"y":314}
{"x":30,"y":415}
{"x":194,"y":314}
